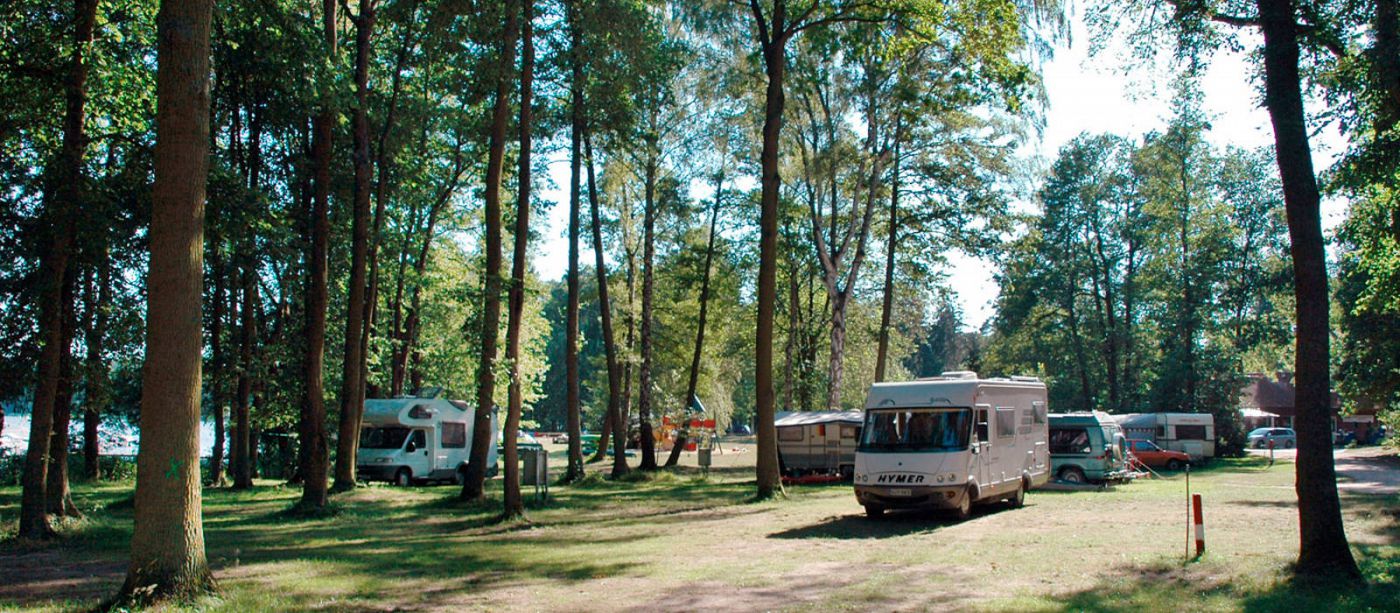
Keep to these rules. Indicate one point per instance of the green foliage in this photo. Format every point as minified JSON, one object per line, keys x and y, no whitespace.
{"x":1155,"y":275}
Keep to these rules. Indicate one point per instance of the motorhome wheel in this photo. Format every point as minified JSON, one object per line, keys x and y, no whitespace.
{"x":874,"y":511}
{"x":964,"y":508}
{"x":1018,"y":499}
{"x":460,"y":477}
{"x":403,"y":478}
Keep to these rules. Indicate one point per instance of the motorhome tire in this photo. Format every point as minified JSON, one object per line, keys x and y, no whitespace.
{"x":1173,"y":465}
{"x":1072,"y":474}
{"x":460,"y":477}
{"x":1018,"y":498}
{"x":964,"y":508}
{"x":403,"y":478}
{"x":874,"y":511}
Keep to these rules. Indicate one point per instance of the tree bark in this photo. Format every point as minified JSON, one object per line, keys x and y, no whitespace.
{"x":313,"y":457}
{"x":96,"y":391}
{"x":218,"y":360}
{"x":882,"y":352}
{"x":64,"y":198}
{"x":247,"y":332}
{"x":60,"y":496}
{"x":514,"y":505}
{"x":769,"y":482}
{"x":472,"y":489}
{"x":644,"y":383}
{"x":167,"y":543}
{"x":572,"y":401}
{"x":353,"y":367}
{"x":694,"y":381}
{"x":1323,"y":548}
{"x":616,"y":417}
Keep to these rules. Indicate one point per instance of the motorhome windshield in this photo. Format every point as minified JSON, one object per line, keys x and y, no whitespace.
{"x":391,"y":437}
{"x":916,"y":429}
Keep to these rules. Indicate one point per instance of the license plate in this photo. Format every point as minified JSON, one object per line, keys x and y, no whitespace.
{"x":901,"y":491}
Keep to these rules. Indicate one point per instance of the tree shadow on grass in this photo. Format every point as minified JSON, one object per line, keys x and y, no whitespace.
{"x":1171,"y":586}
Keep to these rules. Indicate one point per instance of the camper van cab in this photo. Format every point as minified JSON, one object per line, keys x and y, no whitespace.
{"x":951,"y":441}
{"x":415,"y":439}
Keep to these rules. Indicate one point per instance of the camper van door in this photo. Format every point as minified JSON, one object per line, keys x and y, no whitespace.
{"x":417,"y":454}
{"x":982,"y":429}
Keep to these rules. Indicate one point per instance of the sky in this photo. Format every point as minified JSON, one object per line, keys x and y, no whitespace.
{"x":1085,"y":93}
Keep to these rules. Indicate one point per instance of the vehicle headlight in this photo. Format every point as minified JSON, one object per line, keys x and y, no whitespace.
{"x":952,"y":477}
{"x":940,"y":478}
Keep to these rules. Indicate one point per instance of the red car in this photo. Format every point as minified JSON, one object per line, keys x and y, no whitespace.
{"x":1149,"y":454}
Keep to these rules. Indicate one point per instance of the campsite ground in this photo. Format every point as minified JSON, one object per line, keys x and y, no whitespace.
{"x":679,"y":541}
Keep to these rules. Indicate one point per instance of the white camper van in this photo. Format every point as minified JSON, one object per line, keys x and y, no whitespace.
{"x":950,"y":441}
{"x":413,"y":439}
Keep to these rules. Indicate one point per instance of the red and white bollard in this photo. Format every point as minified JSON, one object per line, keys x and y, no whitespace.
{"x":1200,"y":525}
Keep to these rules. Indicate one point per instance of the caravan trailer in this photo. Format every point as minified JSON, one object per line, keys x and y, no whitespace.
{"x":950,"y":441}
{"x":414,"y":439}
{"x":818,"y":442}
{"x":1189,"y":433}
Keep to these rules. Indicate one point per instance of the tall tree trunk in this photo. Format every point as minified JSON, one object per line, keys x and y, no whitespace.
{"x":353,"y":367}
{"x":572,"y":408}
{"x":1323,"y":546}
{"x":514,"y":505}
{"x":694,"y":381}
{"x":314,"y":460}
{"x":96,"y":391}
{"x":617,"y":419}
{"x":167,"y":544}
{"x":60,"y":497}
{"x":247,"y":332}
{"x":644,"y":383}
{"x":882,"y":352}
{"x":491,"y":301}
{"x":64,"y":195}
{"x":769,"y":482}
{"x":218,"y":361}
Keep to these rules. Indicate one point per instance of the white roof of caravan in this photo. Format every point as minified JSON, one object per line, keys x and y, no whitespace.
{"x":943,"y":390}
{"x":806,"y":418}
{"x":381,"y":411}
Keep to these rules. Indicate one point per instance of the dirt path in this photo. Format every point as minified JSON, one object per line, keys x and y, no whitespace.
{"x":1364,"y":470}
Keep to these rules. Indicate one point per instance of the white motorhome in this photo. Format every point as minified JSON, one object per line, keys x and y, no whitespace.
{"x":951,"y":441}
{"x":413,"y":439}
{"x":1189,"y":433}
{"x":821,"y":442}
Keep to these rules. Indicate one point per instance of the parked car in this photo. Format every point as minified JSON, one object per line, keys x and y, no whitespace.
{"x":560,"y":439}
{"x":1283,"y":438}
{"x":1148,"y":453}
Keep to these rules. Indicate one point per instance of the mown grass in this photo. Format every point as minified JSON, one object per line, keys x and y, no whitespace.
{"x":677,"y":540}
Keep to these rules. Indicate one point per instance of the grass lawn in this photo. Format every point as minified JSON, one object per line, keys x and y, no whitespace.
{"x":679,"y":541}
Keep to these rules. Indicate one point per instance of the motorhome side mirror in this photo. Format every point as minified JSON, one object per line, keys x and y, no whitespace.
{"x":411,"y":447}
{"x":976,"y":448}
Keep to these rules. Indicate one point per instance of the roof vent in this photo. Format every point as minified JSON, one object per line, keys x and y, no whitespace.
{"x":959,"y":374}
{"x":1025,"y":378}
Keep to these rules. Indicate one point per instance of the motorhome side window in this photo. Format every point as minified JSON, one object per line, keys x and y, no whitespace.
{"x":790,"y":434}
{"x":391,"y":437}
{"x":850,"y":432}
{"x":1192,"y":433}
{"x":454,"y":435}
{"x":1006,"y":422}
{"x":1038,"y":408}
{"x":1069,"y":441}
